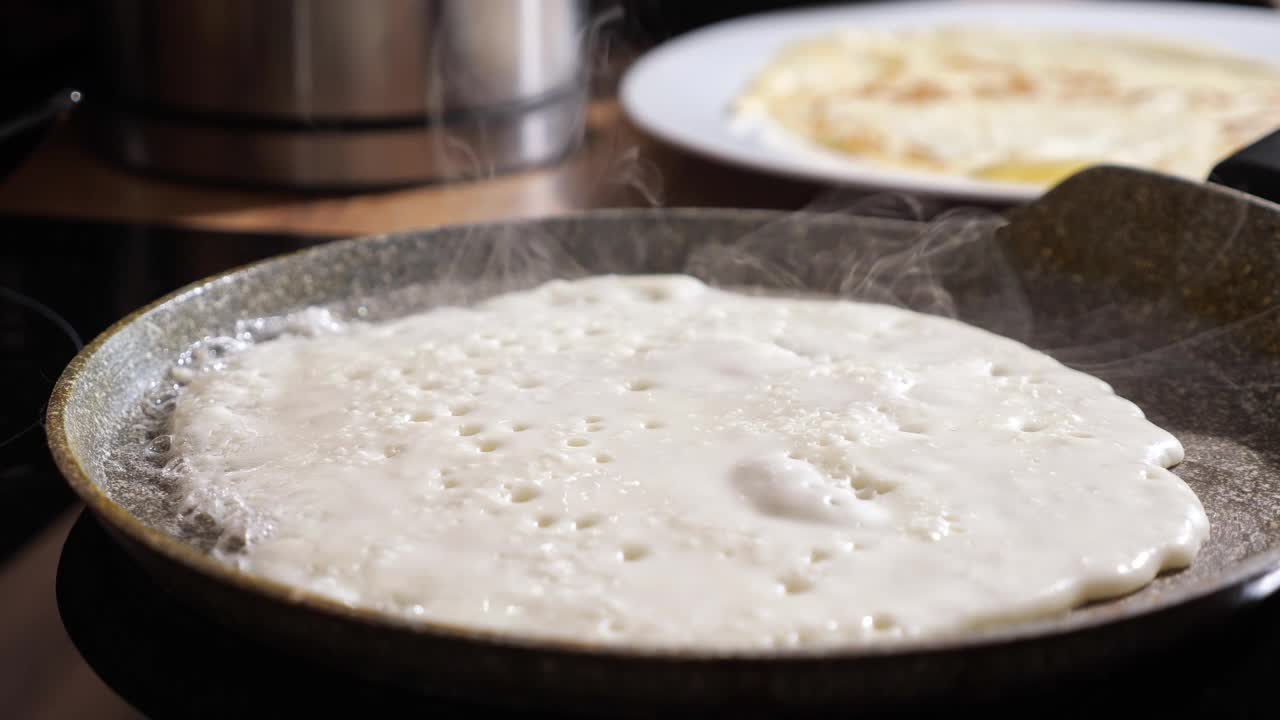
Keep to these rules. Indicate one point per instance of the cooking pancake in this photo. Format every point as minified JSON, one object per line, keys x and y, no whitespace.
{"x":648,"y":461}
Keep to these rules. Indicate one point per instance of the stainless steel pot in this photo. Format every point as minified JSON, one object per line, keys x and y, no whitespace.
{"x":333,"y":93}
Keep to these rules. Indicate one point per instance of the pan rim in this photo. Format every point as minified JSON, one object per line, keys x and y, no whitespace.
{"x":1247,"y":581}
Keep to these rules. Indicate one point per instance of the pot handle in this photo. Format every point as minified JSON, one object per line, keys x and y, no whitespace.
{"x":1254,"y":169}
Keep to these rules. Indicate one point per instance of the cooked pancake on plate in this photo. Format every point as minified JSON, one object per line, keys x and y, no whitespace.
{"x":1010,"y":105}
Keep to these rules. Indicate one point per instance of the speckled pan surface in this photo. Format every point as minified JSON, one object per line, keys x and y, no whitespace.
{"x":1162,"y":287}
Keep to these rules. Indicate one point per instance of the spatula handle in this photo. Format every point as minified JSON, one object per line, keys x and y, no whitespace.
{"x":1255,"y":169}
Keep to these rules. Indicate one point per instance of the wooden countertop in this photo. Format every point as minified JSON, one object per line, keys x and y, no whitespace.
{"x":43,"y":675}
{"x":614,"y":165}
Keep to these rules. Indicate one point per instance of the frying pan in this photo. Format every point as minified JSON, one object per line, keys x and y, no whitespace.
{"x":1164,"y":287}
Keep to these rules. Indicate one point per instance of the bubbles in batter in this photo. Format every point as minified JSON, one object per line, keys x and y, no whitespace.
{"x":650,"y":461}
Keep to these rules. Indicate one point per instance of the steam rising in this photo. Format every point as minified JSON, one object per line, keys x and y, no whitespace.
{"x":1137,"y":330}
{"x":956,"y":264}
{"x":907,"y":264}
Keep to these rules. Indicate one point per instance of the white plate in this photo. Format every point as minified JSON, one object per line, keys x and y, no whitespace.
{"x":681,"y":92}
